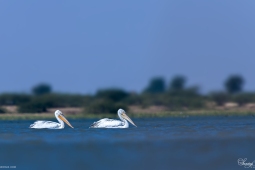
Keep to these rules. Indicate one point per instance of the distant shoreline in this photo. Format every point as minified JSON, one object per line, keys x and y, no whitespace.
{"x":44,"y":116}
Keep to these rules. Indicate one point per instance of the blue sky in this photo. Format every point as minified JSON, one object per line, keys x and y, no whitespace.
{"x":82,"y":46}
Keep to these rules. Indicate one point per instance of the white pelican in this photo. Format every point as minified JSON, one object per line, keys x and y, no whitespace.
{"x":52,"y":125}
{"x":111,"y":123}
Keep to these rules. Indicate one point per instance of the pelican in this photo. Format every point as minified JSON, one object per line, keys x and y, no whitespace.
{"x":52,"y":125}
{"x":112,"y":123}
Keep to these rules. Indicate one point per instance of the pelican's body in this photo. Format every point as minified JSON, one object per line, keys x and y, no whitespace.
{"x":112,"y":123}
{"x":41,"y":124}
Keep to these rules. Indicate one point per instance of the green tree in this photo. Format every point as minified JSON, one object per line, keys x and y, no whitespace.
{"x":156,"y":85}
{"x":112,"y":94}
{"x":177,"y":83}
{"x":234,"y":84}
{"x":41,"y":89}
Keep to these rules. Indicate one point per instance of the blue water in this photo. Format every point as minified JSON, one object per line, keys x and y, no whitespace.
{"x":165,"y":143}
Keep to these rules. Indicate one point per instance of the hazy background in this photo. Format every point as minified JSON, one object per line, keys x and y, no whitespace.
{"x":79,"y":46}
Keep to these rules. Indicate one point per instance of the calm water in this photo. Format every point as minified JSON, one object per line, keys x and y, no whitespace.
{"x":167,"y":143}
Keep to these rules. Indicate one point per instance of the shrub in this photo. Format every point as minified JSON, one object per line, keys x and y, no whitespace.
{"x":63,"y":100}
{"x":112,"y":94}
{"x":104,"y":106}
{"x":176,"y":102}
{"x":14,"y":99}
{"x":148,"y":99}
{"x":244,"y":98}
{"x":34,"y":106}
{"x":133,"y":99}
{"x":2,"y":110}
{"x":188,"y":92}
{"x":219,"y":97}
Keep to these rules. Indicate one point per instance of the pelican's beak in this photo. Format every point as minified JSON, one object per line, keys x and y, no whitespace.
{"x":128,"y":119}
{"x":64,"y":119}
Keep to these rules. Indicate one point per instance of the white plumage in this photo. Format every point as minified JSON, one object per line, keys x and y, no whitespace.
{"x":41,"y":124}
{"x":45,"y":124}
{"x":107,"y":123}
{"x":112,"y":123}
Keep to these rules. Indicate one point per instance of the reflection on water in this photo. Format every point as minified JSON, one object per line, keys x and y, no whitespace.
{"x":193,"y":143}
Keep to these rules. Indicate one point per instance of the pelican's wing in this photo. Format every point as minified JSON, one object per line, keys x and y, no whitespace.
{"x":44,"y":124}
{"x":107,"y":123}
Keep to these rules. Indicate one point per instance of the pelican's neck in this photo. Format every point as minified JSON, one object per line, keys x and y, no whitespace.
{"x":126,"y":124}
{"x":62,"y":125}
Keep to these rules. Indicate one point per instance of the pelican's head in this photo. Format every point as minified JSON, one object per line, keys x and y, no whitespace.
{"x":122,"y":114}
{"x":60,"y":115}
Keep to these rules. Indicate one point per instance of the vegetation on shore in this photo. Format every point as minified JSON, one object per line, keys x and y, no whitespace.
{"x":173,"y":100}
